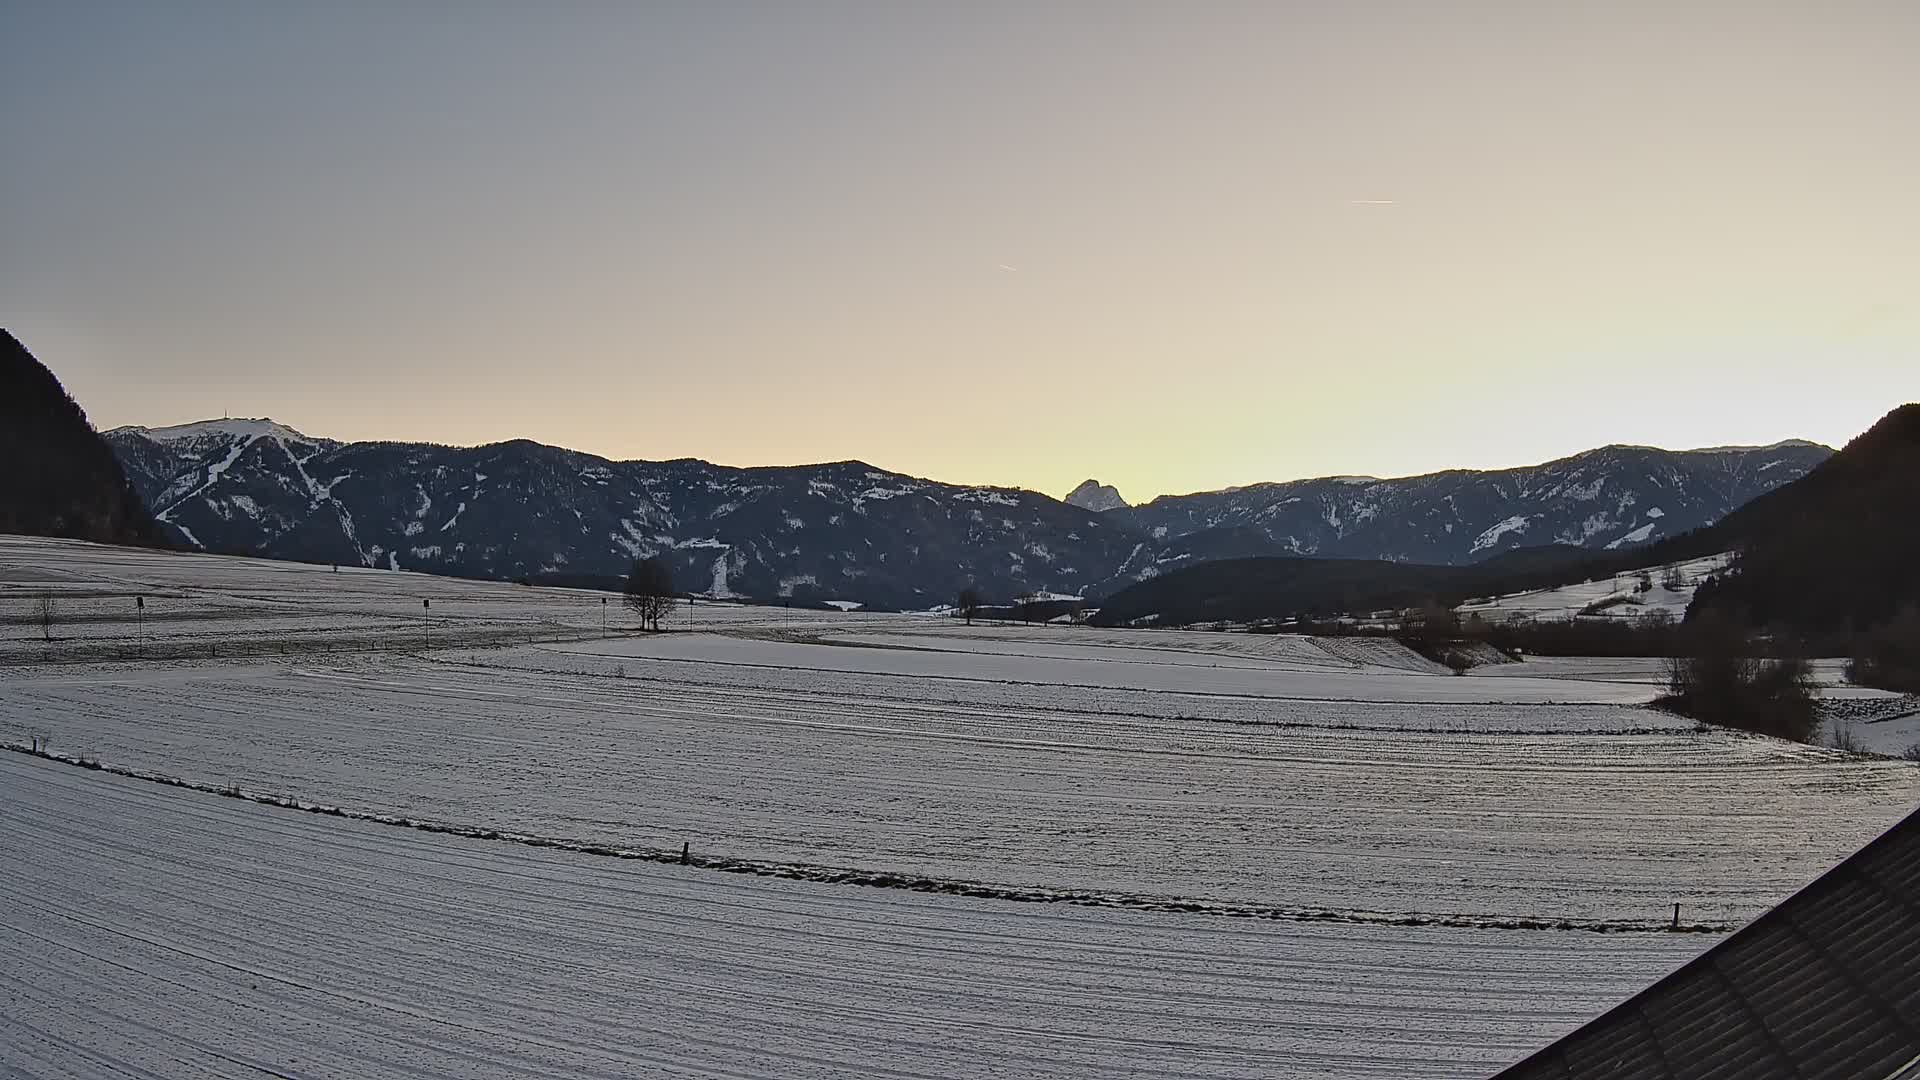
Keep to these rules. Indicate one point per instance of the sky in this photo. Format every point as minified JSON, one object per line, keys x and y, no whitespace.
{"x":1175,"y":247}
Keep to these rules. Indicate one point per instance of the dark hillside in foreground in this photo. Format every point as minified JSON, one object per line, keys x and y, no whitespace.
{"x":60,"y":477}
{"x":1835,"y":551}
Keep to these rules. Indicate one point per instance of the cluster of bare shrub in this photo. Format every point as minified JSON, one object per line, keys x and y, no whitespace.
{"x":1722,"y":681}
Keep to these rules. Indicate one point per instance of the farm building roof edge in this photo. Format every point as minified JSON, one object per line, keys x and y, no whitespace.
{"x":1824,"y":986}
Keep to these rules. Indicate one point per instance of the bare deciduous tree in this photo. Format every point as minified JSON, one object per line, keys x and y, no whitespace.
{"x":43,"y":612}
{"x":649,"y":593}
{"x":1028,"y":609}
{"x":968,"y":602}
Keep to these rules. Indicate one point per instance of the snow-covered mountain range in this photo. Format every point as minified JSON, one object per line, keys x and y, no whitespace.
{"x":1612,"y":497}
{"x":850,"y":531}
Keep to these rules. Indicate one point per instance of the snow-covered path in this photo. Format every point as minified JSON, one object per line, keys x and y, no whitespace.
{"x":156,"y":932}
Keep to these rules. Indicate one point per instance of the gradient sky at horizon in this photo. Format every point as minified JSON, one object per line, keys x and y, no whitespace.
{"x":1174,"y":247}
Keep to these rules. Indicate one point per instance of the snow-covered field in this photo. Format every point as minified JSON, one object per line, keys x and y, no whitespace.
{"x":1630,"y":594}
{"x":122,"y":603}
{"x":153,"y":932}
{"x":1882,"y":723}
{"x":1265,"y":855}
{"x":1065,"y":664}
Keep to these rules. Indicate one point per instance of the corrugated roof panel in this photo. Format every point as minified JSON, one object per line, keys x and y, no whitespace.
{"x":1826,"y":986}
